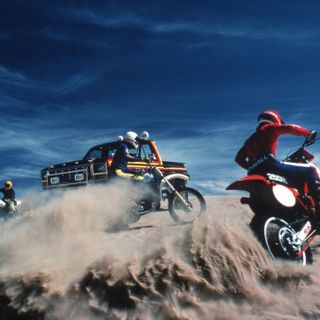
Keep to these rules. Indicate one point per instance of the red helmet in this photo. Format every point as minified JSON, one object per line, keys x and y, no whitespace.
{"x":270,"y":116}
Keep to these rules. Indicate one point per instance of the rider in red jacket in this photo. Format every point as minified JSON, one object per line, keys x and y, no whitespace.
{"x":265,"y":140}
{"x":258,"y":154}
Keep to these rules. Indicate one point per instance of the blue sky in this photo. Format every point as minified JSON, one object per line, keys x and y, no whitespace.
{"x":194,"y":74}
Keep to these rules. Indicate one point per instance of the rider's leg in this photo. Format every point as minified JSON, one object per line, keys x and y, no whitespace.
{"x":305,"y":174}
{"x":120,"y":173}
{"x":10,"y":207}
{"x":314,"y":190}
{"x":311,"y":177}
{"x":146,"y":195}
{"x":298,"y":175}
{"x":295,"y":174}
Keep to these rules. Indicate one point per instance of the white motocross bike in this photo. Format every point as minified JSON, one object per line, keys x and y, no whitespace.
{"x":9,"y":209}
{"x":184,"y":203}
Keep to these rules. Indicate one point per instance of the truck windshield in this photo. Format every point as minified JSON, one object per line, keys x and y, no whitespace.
{"x":132,"y":151}
{"x":145,"y":152}
{"x":94,"y":154}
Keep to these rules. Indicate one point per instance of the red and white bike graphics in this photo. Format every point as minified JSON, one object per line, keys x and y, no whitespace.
{"x":284,"y":215}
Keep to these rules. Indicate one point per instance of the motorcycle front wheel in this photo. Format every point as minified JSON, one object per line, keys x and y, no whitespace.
{"x":277,"y":236}
{"x":193,"y":206}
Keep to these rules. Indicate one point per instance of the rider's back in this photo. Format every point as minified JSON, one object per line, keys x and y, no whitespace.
{"x":265,"y":140}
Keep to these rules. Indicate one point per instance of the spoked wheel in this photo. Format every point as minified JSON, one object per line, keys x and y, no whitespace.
{"x":278,"y":236}
{"x":188,"y":210}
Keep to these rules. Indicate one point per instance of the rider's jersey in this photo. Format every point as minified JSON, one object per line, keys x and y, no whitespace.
{"x":8,"y":194}
{"x":265,"y":140}
{"x":120,"y":159}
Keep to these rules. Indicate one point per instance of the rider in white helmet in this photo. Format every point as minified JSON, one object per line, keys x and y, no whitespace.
{"x":119,"y":166}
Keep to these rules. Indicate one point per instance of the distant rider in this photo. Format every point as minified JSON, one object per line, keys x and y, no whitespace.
{"x":119,"y":166}
{"x":258,"y":154}
{"x":9,"y":195}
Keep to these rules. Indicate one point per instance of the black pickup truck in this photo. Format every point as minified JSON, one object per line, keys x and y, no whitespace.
{"x":93,"y":168}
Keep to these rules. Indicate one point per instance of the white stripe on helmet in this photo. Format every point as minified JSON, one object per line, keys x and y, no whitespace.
{"x":273,"y":114}
{"x":264,"y":121}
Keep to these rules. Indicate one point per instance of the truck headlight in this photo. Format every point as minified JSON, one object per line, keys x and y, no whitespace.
{"x":100,"y":168}
{"x":54,"y":180}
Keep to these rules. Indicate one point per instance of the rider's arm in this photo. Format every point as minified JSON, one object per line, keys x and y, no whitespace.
{"x":129,"y":157}
{"x":242,"y":158}
{"x":287,"y":129}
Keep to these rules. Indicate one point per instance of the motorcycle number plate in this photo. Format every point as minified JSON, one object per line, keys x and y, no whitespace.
{"x":54,"y":180}
{"x":79,"y":177}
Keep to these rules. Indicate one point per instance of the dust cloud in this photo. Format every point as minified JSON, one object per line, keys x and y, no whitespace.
{"x":67,"y":258}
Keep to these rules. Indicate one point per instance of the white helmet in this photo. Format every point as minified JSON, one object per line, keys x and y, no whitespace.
{"x":130,"y":137}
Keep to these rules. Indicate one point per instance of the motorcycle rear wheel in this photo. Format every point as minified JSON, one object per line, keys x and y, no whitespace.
{"x":276,"y":234}
{"x":196,"y":204}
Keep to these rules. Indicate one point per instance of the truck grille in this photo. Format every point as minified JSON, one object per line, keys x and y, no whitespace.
{"x":65,"y":177}
{"x":74,"y":175}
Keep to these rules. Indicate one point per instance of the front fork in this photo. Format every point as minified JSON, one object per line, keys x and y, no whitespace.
{"x":173,"y":190}
{"x":303,"y":238}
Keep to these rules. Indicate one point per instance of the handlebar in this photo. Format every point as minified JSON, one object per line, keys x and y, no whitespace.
{"x":311,"y":139}
{"x":301,"y":154}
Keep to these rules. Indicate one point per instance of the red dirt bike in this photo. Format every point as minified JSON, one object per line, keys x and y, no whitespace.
{"x":284,"y":218}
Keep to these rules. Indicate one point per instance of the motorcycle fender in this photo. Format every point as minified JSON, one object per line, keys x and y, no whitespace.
{"x":248,"y":183}
{"x":173,"y":176}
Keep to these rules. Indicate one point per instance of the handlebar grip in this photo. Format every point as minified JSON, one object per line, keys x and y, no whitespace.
{"x":311,"y":138}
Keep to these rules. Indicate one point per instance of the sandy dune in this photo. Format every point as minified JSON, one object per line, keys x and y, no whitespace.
{"x":66,"y":260}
